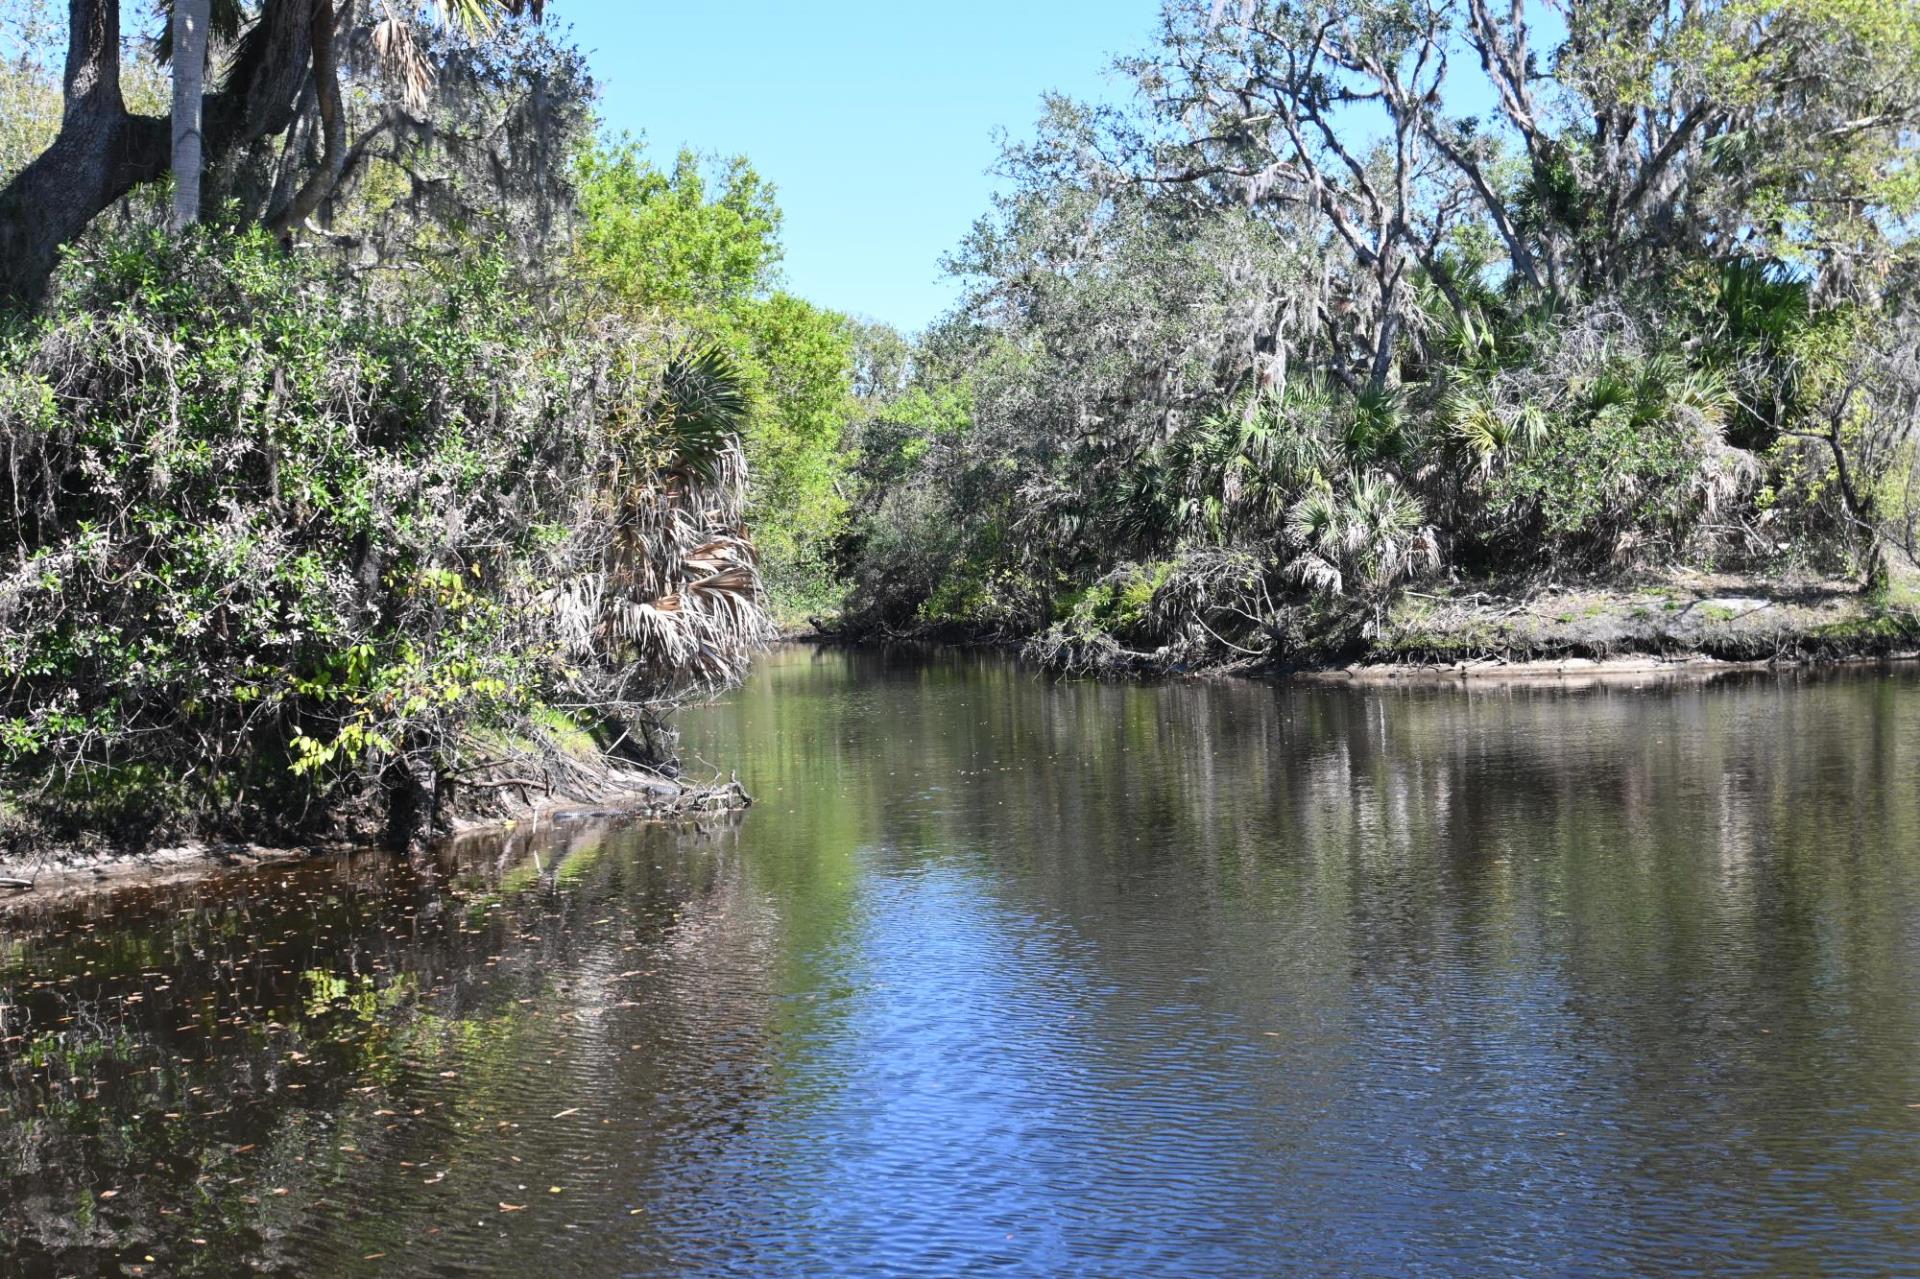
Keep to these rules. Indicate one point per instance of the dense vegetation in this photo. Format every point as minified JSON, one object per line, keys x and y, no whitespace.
{"x":1354,"y":292}
{"x":704,"y":249}
{"x":417,"y":470}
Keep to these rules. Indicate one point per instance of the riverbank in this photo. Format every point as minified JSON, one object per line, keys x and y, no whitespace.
{"x":68,"y":869}
{"x":1680,"y":623}
{"x":1674,"y":624}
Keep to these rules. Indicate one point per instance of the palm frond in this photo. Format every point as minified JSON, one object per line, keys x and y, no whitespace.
{"x":225,"y":20}
{"x":702,"y":409}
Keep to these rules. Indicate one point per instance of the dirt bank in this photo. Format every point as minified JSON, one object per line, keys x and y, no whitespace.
{"x":67,"y":871}
{"x":1685,"y":624}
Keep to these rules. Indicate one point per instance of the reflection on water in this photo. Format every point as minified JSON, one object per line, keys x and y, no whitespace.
{"x":1010,"y":976}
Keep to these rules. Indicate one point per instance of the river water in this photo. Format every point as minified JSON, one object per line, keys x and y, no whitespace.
{"x":1004,"y":976}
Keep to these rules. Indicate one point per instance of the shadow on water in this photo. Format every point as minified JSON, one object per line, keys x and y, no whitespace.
{"x":1044,"y":979}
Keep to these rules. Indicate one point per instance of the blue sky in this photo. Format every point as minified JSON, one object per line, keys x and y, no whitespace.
{"x":876,"y":121}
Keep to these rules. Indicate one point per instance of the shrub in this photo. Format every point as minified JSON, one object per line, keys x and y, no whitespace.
{"x":286,"y":549}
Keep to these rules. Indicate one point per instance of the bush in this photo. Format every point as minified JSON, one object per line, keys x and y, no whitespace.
{"x":288,"y":550}
{"x":1600,"y":451}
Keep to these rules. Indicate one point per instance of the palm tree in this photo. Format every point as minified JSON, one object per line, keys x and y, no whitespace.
{"x":673,"y":595}
{"x":189,"y":31}
{"x":1360,"y":540}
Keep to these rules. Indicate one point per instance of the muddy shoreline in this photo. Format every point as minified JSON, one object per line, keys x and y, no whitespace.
{"x":1679,"y":624}
{"x":1624,"y":669}
{"x":70,"y":874}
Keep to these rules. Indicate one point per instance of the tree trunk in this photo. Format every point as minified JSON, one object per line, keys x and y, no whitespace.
{"x":1861,"y":507}
{"x":189,"y":86}
{"x":333,"y":127}
{"x":413,"y":803}
{"x":1876,"y":575}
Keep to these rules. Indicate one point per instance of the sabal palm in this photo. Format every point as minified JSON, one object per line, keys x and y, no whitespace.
{"x":1360,"y":539}
{"x":677,"y":593}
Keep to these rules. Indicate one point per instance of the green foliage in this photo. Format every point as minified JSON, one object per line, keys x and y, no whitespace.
{"x":801,"y":358}
{"x":1612,"y":476}
{"x":701,"y":253}
{"x":1119,"y":602}
{"x":704,"y":403}
{"x":1613,"y":461}
{"x":283,"y":540}
{"x":1360,"y":537}
{"x":675,"y":240}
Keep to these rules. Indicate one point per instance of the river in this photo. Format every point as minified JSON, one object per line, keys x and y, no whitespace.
{"x":1010,"y":976}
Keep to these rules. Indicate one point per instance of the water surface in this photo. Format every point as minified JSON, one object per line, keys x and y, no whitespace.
{"x":1009,"y":976}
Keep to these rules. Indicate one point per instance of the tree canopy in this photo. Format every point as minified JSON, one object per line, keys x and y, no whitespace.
{"x":1356,"y":289}
{"x":275,"y":123}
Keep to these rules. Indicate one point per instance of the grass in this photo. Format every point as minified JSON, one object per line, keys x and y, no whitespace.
{"x":1879,"y":625}
{"x":566,"y":734}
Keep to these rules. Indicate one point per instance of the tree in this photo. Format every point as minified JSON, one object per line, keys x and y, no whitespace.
{"x":698,"y":247}
{"x":1861,"y":406}
{"x":802,"y":358}
{"x":438,"y":515}
{"x":1662,"y":132}
{"x":285,"y":66}
{"x":676,"y":240}
{"x":29,"y":80}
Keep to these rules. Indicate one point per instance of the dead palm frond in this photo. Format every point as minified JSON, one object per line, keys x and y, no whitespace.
{"x":395,"y":36}
{"x":675,"y":594}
